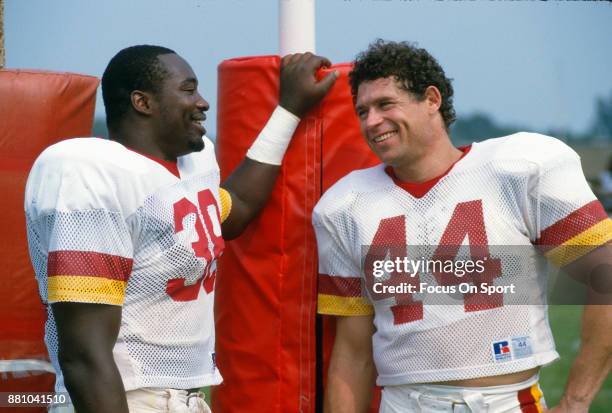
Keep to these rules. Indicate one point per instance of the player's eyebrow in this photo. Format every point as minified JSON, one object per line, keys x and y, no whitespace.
{"x":189,"y":81}
{"x":374,"y":102}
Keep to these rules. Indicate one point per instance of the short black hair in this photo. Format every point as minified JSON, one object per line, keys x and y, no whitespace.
{"x":133,"y":68}
{"x":414,"y":68}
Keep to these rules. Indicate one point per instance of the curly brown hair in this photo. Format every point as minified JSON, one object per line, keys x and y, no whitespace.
{"x":414,"y":69}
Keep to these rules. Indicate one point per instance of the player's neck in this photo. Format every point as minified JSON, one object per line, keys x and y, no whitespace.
{"x":435,"y":160}
{"x":139,"y":140}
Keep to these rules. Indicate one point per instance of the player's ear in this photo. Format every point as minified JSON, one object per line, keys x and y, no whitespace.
{"x":142,"y":102}
{"x":433,"y":97}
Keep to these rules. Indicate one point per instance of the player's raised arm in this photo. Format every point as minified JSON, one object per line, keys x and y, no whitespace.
{"x":251,"y":183}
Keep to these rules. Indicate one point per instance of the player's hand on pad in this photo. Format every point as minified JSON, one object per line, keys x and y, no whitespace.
{"x":299,"y":88}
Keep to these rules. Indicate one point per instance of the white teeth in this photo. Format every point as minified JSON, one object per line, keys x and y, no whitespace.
{"x":383,"y":137}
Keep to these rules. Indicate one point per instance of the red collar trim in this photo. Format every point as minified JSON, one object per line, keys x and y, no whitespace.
{"x":171,"y":166}
{"x":419,"y":189}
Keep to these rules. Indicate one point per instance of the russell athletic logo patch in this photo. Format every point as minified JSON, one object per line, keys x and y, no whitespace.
{"x":512,"y":348}
{"x":501,"y":351}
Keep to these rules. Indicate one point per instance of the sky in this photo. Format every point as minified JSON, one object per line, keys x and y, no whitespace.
{"x":537,"y":64}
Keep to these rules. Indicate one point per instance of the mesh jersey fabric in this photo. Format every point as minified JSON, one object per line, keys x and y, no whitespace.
{"x":108,"y":225}
{"x":524,"y":192}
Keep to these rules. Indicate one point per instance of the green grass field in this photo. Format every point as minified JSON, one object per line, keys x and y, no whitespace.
{"x":565,"y":323}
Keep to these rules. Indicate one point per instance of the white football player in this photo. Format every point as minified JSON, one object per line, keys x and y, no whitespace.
{"x":124,"y":233}
{"x":499,"y":203}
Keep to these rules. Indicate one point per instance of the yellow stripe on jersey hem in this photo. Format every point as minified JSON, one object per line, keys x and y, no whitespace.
{"x":83,"y":289}
{"x":226,"y":203}
{"x":581,"y":244}
{"x":336,"y":305}
{"x":537,"y":396}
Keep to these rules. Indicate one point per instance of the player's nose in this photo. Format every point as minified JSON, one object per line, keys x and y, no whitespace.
{"x":202,"y":103}
{"x":372,"y":119}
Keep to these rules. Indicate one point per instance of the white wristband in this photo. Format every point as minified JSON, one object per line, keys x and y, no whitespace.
{"x":272,"y":142}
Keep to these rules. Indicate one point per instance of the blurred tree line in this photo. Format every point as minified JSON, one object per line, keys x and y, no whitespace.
{"x":479,"y":126}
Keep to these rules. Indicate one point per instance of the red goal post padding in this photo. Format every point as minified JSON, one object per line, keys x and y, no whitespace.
{"x":37,"y":109}
{"x":267,"y":279}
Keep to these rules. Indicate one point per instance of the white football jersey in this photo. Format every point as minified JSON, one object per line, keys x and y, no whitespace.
{"x":109,"y":225}
{"x":381,"y":251}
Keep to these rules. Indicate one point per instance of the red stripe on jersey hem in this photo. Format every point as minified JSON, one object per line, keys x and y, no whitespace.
{"x":340,"y":286}
{"x":88,"y":263}
{"x":575,"y":223}
{"x":527,"y":401}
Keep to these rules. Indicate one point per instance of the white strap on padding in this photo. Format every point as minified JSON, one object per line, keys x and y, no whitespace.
{"x":25,"y":365}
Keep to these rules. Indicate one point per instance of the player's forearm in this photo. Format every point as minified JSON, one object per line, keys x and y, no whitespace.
{"x":350,"y":385}
{"x":94,"y":386}
{"x":594,"y":360}
{"x":250,"y":186}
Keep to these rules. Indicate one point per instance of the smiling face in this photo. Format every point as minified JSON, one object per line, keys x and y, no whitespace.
{"x":395,"y":124}
{"x":180,"y":109}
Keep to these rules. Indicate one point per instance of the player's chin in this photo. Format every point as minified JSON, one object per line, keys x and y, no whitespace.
{"x":384,"y":156}
{"x":380,"y":152}
{"x":196,"y":143}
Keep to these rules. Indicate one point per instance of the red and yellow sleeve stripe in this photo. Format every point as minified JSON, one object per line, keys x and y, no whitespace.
{"x":576,"y":235}
{"x":87,"y":277}
{"x":342,"y":296}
